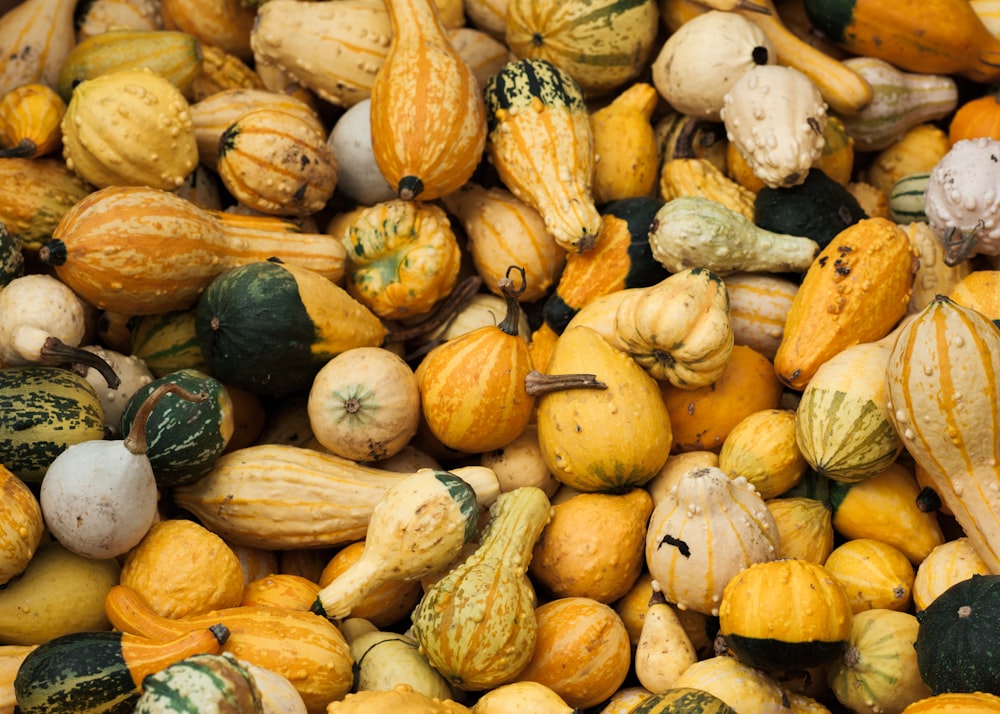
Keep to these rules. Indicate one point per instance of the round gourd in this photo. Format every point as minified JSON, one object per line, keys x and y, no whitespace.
{"x":951,"y":562}
{"x":785,"y":615}
{"x":956,"y":642}
{"x":805,"y":526}
{"x":976,"y":117}
{"x":206,"y":683}
{"x":364,"y":404}
{"x":874,"y":574}
{"x":762,"y":449}
{"x":956,"y":703}
{"x":351,"y":141}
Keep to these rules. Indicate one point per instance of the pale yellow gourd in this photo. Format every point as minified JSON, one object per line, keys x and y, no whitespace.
{"x":664,"y":649}
{"x":625,"y":145}
{"x":762,"y":449}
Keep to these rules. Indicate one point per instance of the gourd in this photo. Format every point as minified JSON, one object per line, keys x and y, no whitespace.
{"x":332,"y":504}
{"x":918,"y":150}
{"x":572,"y":424}
{"x":30,"y":118}
{"x":404,"y":258}
{"x":974,"y":118}
{"x":525,"y":695}
{"x":818,"y":208}
{"x":364,"y":404}
{"x":21,"y":526}
{"x":901,"y":101}
{"x":761,"y":448}
{"x":402,"y":697}
{"x":664,"y":649}
{"x":385,"y":659}
{"x":478,"y":391}
{"x":11,"y":257}
{"x":906,"y":200}
{"x":758,"y":307}
{"x":785,"y":614}
{"x":776,"y":116}
{"x":183,"y":438}
{"x":175,"y":56}
{"x":625,"y":143}
{"x":43,"y":410}
{"x":36,"y":193}
{"x":693,"y":74}
{"x":91,"y":672}
{"x":842,"y":424}
{"x":693,"y":550}
{"x":805,"y":527}
{"x":945,"y":37}
{"x":38,"y":34}
{"x":541,"y":144}
{"x":501,"y":230}
{"x":99,"y":497}
{"x":277,"y":694}
{"x":57,"y":593}
{"x":269,"y":327}
{"x":693,"y":232}
{"x":103,"y":15}
{"x":855,"y":291}
{"x":476,"y":625}
{"x":676,"y":700}
{"x":742,"y":687}
{"x":679,"y":329}
{"x":390,"y":603}
{"x":51,"y":336}
{"x":164,"y":250}
{"x":965,"y":702}
{"x":700,"y":177}
{"x":132,"y":374}
{"x":951,"y":439}
{"x":128,"y":153}
{"x":951,"y":653}
{"x":874,"y":574}
{"x":303,"y":647}
{"x":877,"y":671}
{"x":948,"y":563}
{"x":428,"y":117}
{"x":958,"y":202}
{"x":277,"y":163}
{"x":221,"y":70}
{"x":417,"y":528}
{"x":166,"y":342}
{"x":207,"y":683}
{"x":601,"y":45}
{"x":351,"y":141}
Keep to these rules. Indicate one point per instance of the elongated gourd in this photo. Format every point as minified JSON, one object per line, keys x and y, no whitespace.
{"x":417,"y":528}
{"x":664,"y":649}
{"x":428,"y":117}
{"x":158,"y":251}
{"x":280,"y":496}
{"x":98,"y":672}
{"x":942,"y":384}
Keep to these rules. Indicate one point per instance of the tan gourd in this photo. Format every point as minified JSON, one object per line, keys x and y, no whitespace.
{"x":664,"y":649}
{"x":400,"y":698}
{"x":476,"y":625}
{"x":37,"y":36}
{"x":427,"y":114}
{"x":949,"y":430}
{"x":417,"y":528}
{"x":948,"y":563}
{"x":758,"y":307}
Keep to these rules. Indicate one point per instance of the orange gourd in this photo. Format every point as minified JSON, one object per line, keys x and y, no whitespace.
{"x":975,"y":118}
{"x":428,"y":117}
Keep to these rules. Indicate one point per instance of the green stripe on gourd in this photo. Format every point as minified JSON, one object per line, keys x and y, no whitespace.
{"x":682,"y":700}
{"x":520,"y":83}
{"x":201,"y":684}
{"x":465,"y":496}
{"x":167,"y":342}
{"x":43,"y":410}
{"x":183,"y":438}
{"x":906,"y":200}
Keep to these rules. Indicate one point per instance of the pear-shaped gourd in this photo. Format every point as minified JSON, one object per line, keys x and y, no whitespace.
{"x":664,"y":649}
{"x":98,"y":497}
{"x":417,"y":528}
{"x":476,"y":625}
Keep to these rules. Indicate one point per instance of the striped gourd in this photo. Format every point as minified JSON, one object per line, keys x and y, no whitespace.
{"x":183,"y":438}
{"x":906,"y":201}
{"x":682,"y":700}
{"x":203,"y":683}
{"x":900,"y":101}
{"x":428,"y":118}
{"x":43,"y":410}
{"x":842,"y":423}
{"x":160,"y":251}
{"x":943,"y":384}
{"x":34,"y":195}
{"x":175,"y":56}
{"x":601,"y":44}
{"x":758,"y":306}
{"x":989,"y":12}
{"x":223,"y":23}
{"x":36,"y":36}
{"x":167,"y":342}
{"x":102,"y":672}
{"x":542,"y":146}
{"x":30,"y":121}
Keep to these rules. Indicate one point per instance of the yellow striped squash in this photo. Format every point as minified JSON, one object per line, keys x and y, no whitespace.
{"x":943,"y":382}
{"x":428,"y":118}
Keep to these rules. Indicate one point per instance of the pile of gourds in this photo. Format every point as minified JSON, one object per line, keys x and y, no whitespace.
{"x":499,"y":355}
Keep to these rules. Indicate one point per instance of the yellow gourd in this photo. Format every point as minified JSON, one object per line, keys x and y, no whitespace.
{"x":664,"y":649}
{"x":625,"y":145}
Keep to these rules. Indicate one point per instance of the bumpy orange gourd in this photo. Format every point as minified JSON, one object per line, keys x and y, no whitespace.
{"x":428,"y":118}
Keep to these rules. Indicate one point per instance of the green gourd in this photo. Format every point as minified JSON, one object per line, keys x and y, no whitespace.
{"x":204,"y":683}
{"x":476,"y":625}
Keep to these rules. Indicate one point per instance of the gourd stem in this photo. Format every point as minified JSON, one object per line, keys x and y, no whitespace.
{"x":537,"y":383}
{"x":221,"y":632}
{"x":24,"y":149}
{"x":442,"y":315}
{"x":512,"y":318}
{"x":55,"y":350}
{"x":135,"y":441}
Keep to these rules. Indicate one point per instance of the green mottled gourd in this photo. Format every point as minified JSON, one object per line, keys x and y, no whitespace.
{"x":476,"y":625}
{"x":206,"y":683}
{"x":417,"y":528}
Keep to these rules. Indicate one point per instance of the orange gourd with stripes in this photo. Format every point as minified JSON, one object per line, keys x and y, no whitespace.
{"x":427,"y":114}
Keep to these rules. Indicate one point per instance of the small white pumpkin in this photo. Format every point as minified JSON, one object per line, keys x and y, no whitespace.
{"x":701,"y":61}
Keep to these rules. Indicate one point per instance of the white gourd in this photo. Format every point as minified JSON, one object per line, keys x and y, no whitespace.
{"x":133,"y":373}
{"x":351,"y":142}
{"x":776,"y":117}
{"x":98,"y":497}
{"x":962,"y":201}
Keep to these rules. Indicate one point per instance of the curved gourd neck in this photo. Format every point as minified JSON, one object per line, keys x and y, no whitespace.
{"x":516,"y":522}
{"x":414,"y":20}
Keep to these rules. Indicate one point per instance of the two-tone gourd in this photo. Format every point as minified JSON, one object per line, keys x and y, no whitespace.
{"x":30,"y":121}
{"x":541,"y":144}
{"x":36,"y":193}
{"x":384,"y":659}
{"x":208,"y":683}
{"x":39,"y":34}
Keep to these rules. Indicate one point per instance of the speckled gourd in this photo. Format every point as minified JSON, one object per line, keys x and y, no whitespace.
{"x":476,"y":625}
